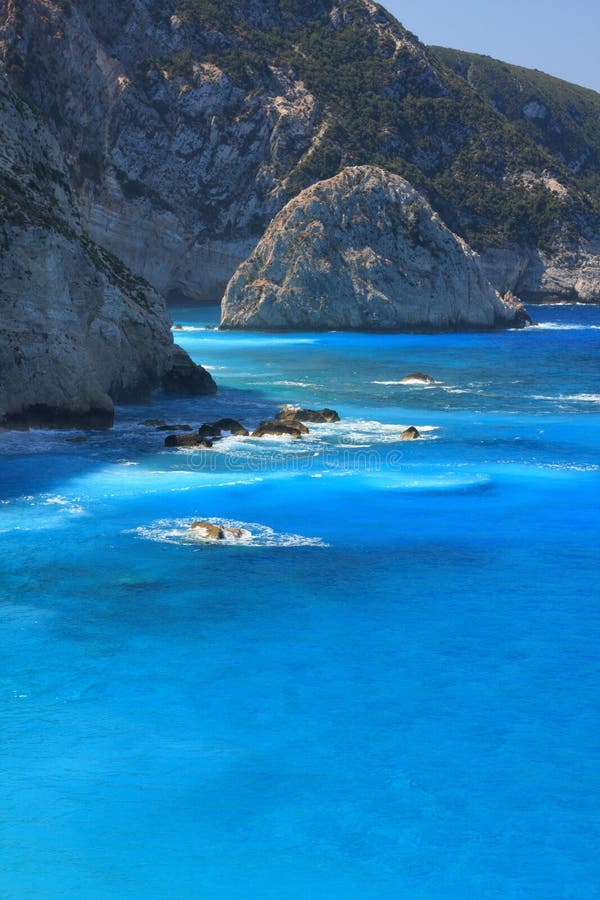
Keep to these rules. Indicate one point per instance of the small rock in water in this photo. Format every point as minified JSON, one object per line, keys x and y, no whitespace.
{"x":213,"y":532}
{"x":178,"y":327}
{"x":296,"y":423}
{"x":418,"y":378}
{"x":174,"y":428}
{"x":410,"y":434}
{"x":215,"y":429}
{"x":308,"y":415}
{"x":187,"y":440}
{"x":216,"y":532}
{"x":278,"y":428}
{"x":149,"y":423}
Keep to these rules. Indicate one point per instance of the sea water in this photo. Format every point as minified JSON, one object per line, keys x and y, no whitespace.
{"x":388,"y":688}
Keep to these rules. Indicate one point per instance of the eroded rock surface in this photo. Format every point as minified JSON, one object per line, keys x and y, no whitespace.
{"x":364,"y":250}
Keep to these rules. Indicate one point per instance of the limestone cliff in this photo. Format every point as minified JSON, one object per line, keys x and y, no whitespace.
{"x":188,"y":124}
{"x":364,"y":250}
{"x":77,"y":330}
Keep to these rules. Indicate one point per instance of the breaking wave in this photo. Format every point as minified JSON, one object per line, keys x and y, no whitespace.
{"x":179,"y":531}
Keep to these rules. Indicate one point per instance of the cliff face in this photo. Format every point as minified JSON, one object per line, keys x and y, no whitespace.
{"x":564,"y":119}
{"x":188,"y":124}
{"x":176,"y":166}
{"x":77,"y":330}
{"x":364,"y":250}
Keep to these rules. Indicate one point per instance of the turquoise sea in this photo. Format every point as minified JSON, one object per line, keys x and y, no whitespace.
{"x":391,"y":690}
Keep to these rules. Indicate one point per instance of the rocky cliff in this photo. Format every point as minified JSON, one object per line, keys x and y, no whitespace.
{"x":188,"y":124}
{"x":364,"y":250}
{"x":77,"y":330}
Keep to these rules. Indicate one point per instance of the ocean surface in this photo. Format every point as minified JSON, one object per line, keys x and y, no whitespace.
{"x":390,"y":689}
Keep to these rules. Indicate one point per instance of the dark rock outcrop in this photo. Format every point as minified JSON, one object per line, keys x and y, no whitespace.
{"x":216,"y":429}
{"x":187,"y":440}
{"x":272,"y":427}
{"x":297,"y":424}
{"x":308,"y":415}
{"x":185,"y":377}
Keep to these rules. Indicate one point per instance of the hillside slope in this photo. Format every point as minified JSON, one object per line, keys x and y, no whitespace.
{"x":188,"y":124}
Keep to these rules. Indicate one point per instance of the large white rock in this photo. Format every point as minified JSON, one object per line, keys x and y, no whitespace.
{"x":364,"y":250}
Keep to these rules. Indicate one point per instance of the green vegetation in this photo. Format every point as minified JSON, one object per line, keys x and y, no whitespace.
{"x":215,"y":15}
{"x":450,"y":123}
{"x":561,"y":117}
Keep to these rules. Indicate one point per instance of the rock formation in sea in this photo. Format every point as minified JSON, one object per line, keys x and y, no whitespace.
{"x":187,"y":125}
{"x":364,"y":250}
{"x":78,"y":331}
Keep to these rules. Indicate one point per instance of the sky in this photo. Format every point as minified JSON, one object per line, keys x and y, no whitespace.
{"x":560,"y":38}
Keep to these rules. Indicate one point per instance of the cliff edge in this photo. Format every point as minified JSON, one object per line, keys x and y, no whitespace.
{"x":78,"y":331}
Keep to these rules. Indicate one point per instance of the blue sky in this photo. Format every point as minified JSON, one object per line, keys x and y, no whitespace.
{"x":559,"y":38}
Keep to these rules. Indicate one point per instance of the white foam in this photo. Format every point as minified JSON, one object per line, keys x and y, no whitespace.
{"x":179,"y":531}
{"x":561,"y":326}
{"x":364,"y":431}
{"x":569,"y":467}
{"x":408,"y":382}
{"x":73,"y":507}
{"x":453,"y":390}
{"x":581,"y":398}
{"x":188,"y":328}
{"x":585,"y":398}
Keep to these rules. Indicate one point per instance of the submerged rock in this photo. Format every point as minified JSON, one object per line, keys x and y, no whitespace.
{"x":278,"y":428}
{"x":364,"y":250}
{"x":418,"y":378}
{"x":153,"y":423}
{"x":174,"y":428}
{"x":308,"y":415}
{"x":410,"y":434}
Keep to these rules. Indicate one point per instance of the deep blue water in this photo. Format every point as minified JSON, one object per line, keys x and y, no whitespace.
{"x":392,"y":690}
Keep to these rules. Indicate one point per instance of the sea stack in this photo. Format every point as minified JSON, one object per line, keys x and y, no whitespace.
{"x":364,"y":251}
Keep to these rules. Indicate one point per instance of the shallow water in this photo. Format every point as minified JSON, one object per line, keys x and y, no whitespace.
{"x":389,"y":690}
